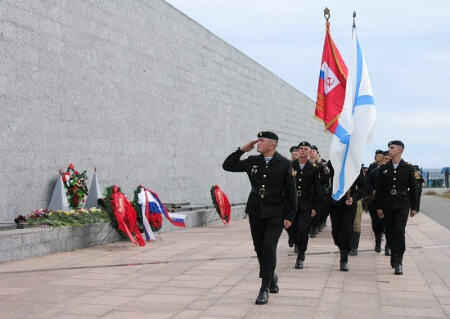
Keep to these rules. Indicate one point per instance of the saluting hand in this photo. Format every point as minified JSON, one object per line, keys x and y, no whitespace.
{"x":412,"y":213}
{"x":287,"y":224}
{"x":249,"y":146}
{"x":380,"y":213}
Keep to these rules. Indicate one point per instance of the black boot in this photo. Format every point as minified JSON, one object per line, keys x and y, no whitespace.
{"x":344,"y":260}
{"x":273,"y":287}
{"x":263,"y":296}
{"x":387,"y":251}
{"x":393,"y":259}
{"x":300,"y":259}
{"x":355,"y":243}
{"x":399,"y":264}
{"x":378,"y":243}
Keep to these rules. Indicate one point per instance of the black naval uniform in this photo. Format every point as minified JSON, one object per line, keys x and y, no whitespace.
{"x":308,"y":192}
{"x":324,"y":180}
{"x":396,"y":194}
{"x":371,"y":167}
{"x":272,"y":200}
{"x":377,"y":222}
{"x":343,"y":217}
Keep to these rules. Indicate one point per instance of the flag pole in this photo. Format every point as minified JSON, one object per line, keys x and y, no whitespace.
{"x":354,"y":27}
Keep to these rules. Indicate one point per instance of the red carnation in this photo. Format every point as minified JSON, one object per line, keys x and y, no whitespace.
{"x":71,"y":166}
{"x":155,"y":220}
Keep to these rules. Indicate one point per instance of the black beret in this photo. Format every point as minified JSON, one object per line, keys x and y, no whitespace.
{"x":396,"y":142}
{"x":386,"y":153}
{"x":293,"y":148}
{"x":379,"y":152}
{"x":304,"y":144}
{"x":313,"y":147}
{"x":268,"y":134}
{"x":416,"y":167}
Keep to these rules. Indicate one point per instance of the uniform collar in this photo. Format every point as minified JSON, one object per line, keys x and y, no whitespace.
{"x":276,"y":158}
{"x":307,"y":164}
{"x":401,"y":163}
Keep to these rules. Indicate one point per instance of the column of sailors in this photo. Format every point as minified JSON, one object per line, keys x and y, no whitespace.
{"x":296,"y":195}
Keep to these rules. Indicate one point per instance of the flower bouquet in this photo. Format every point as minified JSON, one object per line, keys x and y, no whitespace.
{"x":75,"y":218}
{"x":76,"y":188}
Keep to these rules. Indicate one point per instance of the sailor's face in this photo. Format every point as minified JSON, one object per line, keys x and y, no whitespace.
{"x":264,"y":145}
{"x":304,"y":151}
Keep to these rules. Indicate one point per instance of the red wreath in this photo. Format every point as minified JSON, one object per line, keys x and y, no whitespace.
{"x":221,"y":203}
{"x":126,"y":216}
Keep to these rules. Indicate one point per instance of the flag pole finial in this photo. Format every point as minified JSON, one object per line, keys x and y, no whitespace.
{"x":354,"y":17}
{"x":326,"y":13}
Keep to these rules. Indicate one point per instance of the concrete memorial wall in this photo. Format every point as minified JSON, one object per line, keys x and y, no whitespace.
{"x":138,"y":90}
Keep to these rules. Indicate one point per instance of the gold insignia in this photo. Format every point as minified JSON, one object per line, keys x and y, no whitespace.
{"x":293,"y":173}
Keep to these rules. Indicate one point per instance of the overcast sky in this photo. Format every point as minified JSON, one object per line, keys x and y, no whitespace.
{"x":406,"y":45}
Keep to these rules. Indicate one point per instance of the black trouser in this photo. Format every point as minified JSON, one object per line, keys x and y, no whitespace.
{"x":377,"y":222}
{"x":301,"y":229}
{"x":324,"y":209}
{"x":419,"y":194}
{"x":395,"y":223}
{"x":342,"y":218}
{"x":265,"y":234}
{"x":315,"y":221}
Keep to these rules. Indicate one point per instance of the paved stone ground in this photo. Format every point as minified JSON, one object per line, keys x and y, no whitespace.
{"x":437,"y":208}
{"x":212,"y":272}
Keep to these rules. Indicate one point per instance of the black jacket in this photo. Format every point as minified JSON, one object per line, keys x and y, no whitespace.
{"x":400,"y":181}
{"x":371,"y":179}
{"x":308,"y":186}
{"x":273,"y":185}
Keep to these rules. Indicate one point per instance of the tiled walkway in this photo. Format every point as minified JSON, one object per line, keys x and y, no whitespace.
{"x":212,"y":272}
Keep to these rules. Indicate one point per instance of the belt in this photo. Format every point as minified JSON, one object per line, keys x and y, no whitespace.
{"x":397,"y":192}
{"x":262,"y":191}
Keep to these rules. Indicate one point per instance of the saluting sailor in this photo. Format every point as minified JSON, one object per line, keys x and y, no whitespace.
{"x":395,"y":197}
{"x":271,"y":204}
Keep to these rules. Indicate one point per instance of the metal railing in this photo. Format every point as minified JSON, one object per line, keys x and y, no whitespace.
{"x":435,"y":177}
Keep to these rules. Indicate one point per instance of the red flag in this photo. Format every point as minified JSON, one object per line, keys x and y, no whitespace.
{"x":332,"y":80}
